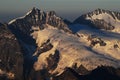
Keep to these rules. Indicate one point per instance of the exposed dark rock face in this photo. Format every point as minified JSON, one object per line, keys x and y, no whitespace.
{"x":68,"y":72}
{"x":116,"y":46}
{"x":11,"y":59}
{"x":98,"y":23}
{"x":45,"y":47}
{"x":95,"y":40}
{"x":71,"y":74}
{"x":81,"y":70}
{"x":53,"y":60}
{"x":54,"y":20}
{"x":39,"y":75}
{"x":103,"y":73}
{"x":100,"y":73}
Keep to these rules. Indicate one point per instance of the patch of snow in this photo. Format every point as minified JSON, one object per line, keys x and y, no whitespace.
{"x":12,"y":21}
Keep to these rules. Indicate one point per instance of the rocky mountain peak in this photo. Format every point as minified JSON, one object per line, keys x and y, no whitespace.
{"x":51,"y":13}
{"x":34,"y":11}
{"x":99,"y":10}
{"x":100,"y":18}
{"x":36,"y":17}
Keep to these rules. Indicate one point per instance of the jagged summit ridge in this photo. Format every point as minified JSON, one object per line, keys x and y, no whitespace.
{"x":102,"y":19}
{"x":33,"y":14}
{"x":36,"y":17}
{"x":115,"y":15}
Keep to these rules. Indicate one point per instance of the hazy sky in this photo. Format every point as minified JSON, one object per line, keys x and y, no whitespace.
{"x":69,"y":9}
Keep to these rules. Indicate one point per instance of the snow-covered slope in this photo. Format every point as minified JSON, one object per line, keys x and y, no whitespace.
{"x":95,"y":38}
{"x":72,"y":50}
{"x":102,"y":19}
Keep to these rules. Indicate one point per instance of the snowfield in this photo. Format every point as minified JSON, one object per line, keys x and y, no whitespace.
{"x":76,"y":50}
{"x":110,"y":38}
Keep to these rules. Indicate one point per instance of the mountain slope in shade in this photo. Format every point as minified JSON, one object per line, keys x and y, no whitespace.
{"x":103,"y":19}
{"x":11,"y":58}
{"x":67,"y":21}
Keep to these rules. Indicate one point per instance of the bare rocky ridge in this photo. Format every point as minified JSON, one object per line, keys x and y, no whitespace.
{"x":36,"y":17}
{"x":11,"y":59}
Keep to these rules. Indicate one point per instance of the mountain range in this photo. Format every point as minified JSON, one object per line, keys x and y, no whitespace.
{"x":43,"y":46}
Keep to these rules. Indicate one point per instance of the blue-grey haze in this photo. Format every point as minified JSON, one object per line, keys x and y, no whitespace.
{"x":69,"y":9}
